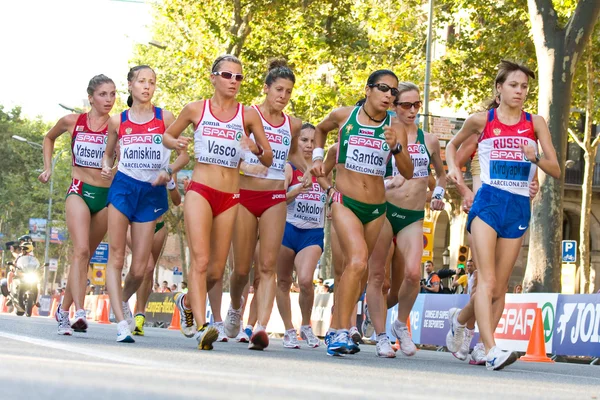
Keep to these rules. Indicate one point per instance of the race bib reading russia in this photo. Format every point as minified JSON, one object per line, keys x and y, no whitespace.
{"x":142,"y":151}
{"x":508,"y":165}
{"x":88,"y":149}
{"x":367,"y":155}
{"x":219,"y":146}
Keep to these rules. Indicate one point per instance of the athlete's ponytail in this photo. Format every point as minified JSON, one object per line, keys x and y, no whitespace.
{"x":505,"y":68}
{"x":131,"y":75}
{"x":278,"y":68}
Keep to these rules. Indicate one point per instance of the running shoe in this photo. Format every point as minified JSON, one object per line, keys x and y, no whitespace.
{"x":243,"y":336}
{"x":355,"y":335}
{"x":222,"y":336}
{"x":259,"y":339}
{"x":384,"y":347}
{"x":329,"y":337}
{"x":352,"y":346}
{"x":367,"y":325}
{"x":456,"y":333}
{"x":140,"y":320}
{"x":407,"y":347}
{"x":290,"y":339}
{"x":478,"y":356}
{"x":307,"y":334}
{"x":463,"y":353}
{"x":124,"y":333}
{"x":233,"y":320}
{"x":497,"y":359}
{"x":338,"y":343}
{"x":128,"y":316}
{"x":186,"y":316}
{"x":206,"y":336}
{"x":80,"y":324}
{"x":64,"y":326}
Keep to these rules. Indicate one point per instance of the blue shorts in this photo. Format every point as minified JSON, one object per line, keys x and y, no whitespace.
{"x":507,"y":213}
{"x":138,"y":201}
{"x":298,"y":239}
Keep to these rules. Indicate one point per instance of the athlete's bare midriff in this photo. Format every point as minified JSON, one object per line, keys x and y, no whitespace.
{"x":260,"y":184}
{"x":367,"y":189}
{"x":90,"y":176}
{"x":219,"y":178}
{"x":410,"y":196}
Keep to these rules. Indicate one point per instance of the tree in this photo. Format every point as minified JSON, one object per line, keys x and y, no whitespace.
{"x":559,"y":45}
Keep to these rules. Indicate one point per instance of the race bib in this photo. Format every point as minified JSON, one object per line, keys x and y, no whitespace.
{"x":309,"y":207}
{"x":420,"y":160}
{"x":218,"y":146}
{"x":142,"y":151}
{"x":367,"y":155}
{"x":88,"y":149}
{"x":280,"y":144}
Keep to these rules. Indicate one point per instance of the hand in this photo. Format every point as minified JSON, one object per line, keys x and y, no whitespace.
{"x":255,"y":170}
{"x":45,"y":176}
{"x":395,"y":182}
{"x":248,"y":144}
{"x":300,"y":188}
{"x":162,"y":179}
{"x":106,"y":173}
{"x":307,"y":179}
{"x":468,"y":201}
{"x":534,"y":188}
{"x":390,"y":136}
{"x":318,"y":168}
{"x":183,"y":142}
{"x":437,"y":204}
{"x":529,"y":152}
{"x":454,"y":175}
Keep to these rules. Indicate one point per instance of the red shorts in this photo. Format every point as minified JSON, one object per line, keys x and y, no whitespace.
{"x":259,"y":201}
{"x":219,"y":201}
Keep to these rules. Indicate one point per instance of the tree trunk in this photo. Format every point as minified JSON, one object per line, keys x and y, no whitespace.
{"x":557,"y":51}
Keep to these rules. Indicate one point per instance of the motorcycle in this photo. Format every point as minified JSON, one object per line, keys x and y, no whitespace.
{"x":23,"y":292}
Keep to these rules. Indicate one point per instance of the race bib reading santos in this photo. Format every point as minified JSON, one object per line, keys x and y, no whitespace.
{"x":142,"y":151}
{"x":367,"y":155}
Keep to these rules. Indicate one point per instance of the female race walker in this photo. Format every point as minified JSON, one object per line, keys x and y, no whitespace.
{"x":302,"y":242}
{"x":405,"y":213}
{"x":262,"y":206}
{"x":367,"y":136}
{"x":86,"y":201}
{"x":500,"y":212}
{"x":221,"y":128}
{"x":137,"y":196}
{"x":158,"y":242}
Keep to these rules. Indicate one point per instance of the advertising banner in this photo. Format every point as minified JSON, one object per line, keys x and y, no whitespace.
{"x":577,"y":328}
{"x":159,"y":309}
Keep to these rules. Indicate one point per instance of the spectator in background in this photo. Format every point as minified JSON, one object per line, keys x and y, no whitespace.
{"x":174,"y":288}
{"x":460,"y":281}
{"x":519,"y":289}
{"x":184,"y":287}
{"x":156,"y":287}
{"x":432,"y":283}
{"x":471,"y":276}
{"x":165,"y":287}
{"x":320,"y":289}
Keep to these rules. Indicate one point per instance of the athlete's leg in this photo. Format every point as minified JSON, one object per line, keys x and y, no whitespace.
{"x":397,"y":269}
{"x":215,"y":297}
{"x":410,"y":243}
{"x":377,"y":261}
{"x":306,"y":262}
{"x":141,"y":248}
{"x":244,"y":241}
{"x":285,"y":269}
{"x":143,"y":293}
{"x":337,"y":259}
{"x":116,"y":259}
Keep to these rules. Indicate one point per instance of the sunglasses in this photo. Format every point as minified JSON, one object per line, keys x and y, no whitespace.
{"x":229,"y":75}
{"x":382,"y":87}
{"x":406,"y":105}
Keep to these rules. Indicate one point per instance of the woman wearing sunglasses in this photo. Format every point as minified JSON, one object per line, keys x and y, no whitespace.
{"x":263,"y":206}
{"x":221,"y":127}
{"x":368,"y":136}
{"x":404,"y":225}
{"x":500,"y":212}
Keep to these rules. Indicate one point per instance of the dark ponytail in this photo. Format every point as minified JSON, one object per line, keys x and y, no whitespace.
{"x":131,"y":75}
{"x":278,"y":68}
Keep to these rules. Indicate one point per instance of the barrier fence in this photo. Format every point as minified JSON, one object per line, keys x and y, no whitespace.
{"x":571,"y":322}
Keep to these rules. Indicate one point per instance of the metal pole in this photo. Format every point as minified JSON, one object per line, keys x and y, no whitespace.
{"x":49,"y":221}
{"x":428,"y":68}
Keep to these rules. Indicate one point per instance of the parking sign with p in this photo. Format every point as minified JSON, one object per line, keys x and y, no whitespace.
{"x":569,"y":251}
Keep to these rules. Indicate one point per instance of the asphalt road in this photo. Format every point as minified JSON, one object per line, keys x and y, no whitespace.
{"x":36,"y":363}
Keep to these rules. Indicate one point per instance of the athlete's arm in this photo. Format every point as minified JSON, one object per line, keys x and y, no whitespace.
{"x":190,"y":114}
{"x":111,"y":143}
{"x":330,"y":123}
{"x":394,"y":134}
{"x":63,"y":125}
{"x":174,"y":193}
{"x":254,"y":124}
{"x":330,"y":159}
{"x":291,"y":195}
{"x":463,"y":154}
{"x":548,"y":163}
{"x":437,"y":200}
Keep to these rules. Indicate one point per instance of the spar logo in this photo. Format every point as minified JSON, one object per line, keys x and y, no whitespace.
{"x":221,"y":133}
{"x":385,"y":146}
{"x":366,"y":142}
{"x":366,"y":132}
{"x":138,"y":139}
{"x":517,"y":321}
{"x":286,"y":140}
{"x":88,"y":138}
{"x":416,"y":148}
{"x":157,"y":139}
{"x":579,"y":322}
{"x":514,"y":155}
{"x":274,"y":138}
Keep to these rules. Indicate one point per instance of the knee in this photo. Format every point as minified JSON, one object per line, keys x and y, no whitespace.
{"x":376,"y":279}
{"x":499,"y":292}
{"x":306,"y":286}
{"x":284,"y":282}
{"x":487,"y":287}
{"x":81,"y":253}
{"x":136,"y":274}
{"x":266,"y":267}
{"x":357,"y":266}
{"x":412,"y":277}
{"x":213,"y":276}
{"x":199,"y":263}
{"x":149,"y":275}
{"x":385,"y":288}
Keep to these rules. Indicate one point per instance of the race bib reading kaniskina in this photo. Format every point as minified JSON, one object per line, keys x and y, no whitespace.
{"x":142,"y":151}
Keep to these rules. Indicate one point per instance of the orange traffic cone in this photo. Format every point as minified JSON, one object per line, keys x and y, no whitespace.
{"x":35,"y":312}
{"x":536,"y":349}
{"x":4,"y":308}
{"x":175,"y":324}
{"x":104,"y":313}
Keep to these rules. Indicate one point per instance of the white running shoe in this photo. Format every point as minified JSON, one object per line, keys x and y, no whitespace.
{"x":233,"y":320}
{"x":186,"y":317}
{"x":290,"y":339}
{"x":128,"y":316}
{"x":242,"y":337}
{"x":456,"y":333}
{"x":497,"y":359}
{"x":354,"y":334}
{"x":463,"y":353}
{"x":367,"y":325}
{"x":124,"y":333}
{"x":222,"y":336}
{"x":64,"y":326}
{"x":80,"y":323}
{"x":478,"y":356}
{"x":407,"y":347}
{"x":384,"y":348}
{"x":307,"y":334}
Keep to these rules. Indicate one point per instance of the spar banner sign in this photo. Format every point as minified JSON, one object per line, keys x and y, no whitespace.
{"x":577,"y":328}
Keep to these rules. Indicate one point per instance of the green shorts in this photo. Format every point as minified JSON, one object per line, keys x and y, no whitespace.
{"x":96,"y":198}
{"x":401,"y":218}
{"x":365,"y":212}
{"x":159,"y":226}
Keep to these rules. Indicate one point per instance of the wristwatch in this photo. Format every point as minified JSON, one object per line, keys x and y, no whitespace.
{"x":397,"y":149}
{"x":168,"y":170}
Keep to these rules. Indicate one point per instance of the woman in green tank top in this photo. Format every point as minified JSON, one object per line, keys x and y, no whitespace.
{"x":368,"y":137}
